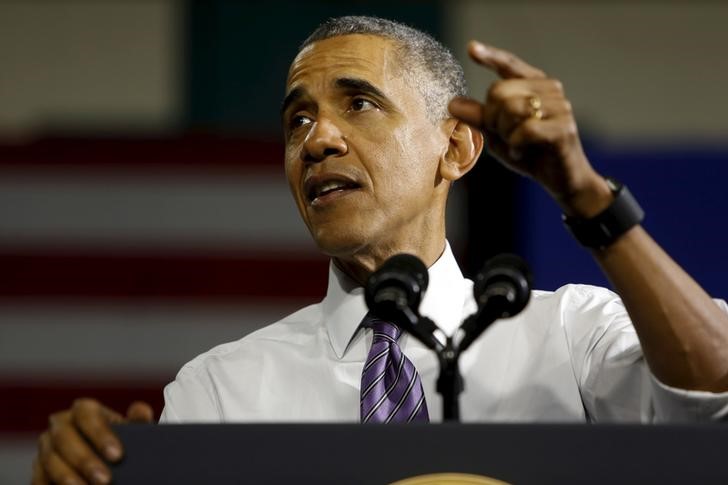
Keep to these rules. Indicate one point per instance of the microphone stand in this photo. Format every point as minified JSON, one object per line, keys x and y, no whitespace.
{"x":450,"y":382}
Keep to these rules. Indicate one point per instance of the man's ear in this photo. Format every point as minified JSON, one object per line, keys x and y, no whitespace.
{"x":466,"y":143}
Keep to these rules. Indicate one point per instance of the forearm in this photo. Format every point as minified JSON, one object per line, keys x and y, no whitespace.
{"x":683,"y":333}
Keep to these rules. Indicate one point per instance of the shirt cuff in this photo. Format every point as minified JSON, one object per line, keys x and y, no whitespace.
{"x":681,"y":405}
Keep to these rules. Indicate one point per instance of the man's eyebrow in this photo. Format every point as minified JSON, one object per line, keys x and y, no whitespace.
{"x":349,"y":83}
{"x":361,"y":85}
{"x":294,"y":95}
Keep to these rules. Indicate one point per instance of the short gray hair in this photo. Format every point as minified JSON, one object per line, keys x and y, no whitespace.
{"x":419,"y":50}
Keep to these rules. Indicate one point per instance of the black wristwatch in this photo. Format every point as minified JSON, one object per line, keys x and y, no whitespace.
{"x":603,"y":229}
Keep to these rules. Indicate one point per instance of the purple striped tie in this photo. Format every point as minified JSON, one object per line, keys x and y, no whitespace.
{"x":391,"y":390}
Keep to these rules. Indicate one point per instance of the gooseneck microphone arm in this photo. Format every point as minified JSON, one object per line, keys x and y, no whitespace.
{"x":394,"y":293}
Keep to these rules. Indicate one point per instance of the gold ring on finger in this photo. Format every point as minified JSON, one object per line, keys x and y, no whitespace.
{"x":535,"y":103}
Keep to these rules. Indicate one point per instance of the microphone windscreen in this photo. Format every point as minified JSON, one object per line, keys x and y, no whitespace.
{"x":505,"y":268}
{"x":403,"y":271}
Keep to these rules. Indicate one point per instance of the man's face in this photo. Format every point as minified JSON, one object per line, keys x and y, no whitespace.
{"x":362,"y":155}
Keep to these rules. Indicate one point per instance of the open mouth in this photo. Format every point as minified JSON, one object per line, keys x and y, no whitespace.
{"x":321,"y":190}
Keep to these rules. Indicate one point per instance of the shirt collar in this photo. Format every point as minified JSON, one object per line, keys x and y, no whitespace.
{"x":444,"y":302}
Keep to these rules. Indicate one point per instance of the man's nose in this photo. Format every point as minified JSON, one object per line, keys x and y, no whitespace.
{"x":323,"y":140}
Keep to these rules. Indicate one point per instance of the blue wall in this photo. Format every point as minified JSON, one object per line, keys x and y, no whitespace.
{"x":682,"y":190}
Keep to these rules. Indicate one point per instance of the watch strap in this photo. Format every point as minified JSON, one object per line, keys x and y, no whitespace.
{"x":602,"y":230}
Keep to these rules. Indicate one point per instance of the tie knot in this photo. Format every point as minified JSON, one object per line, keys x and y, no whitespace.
{"x":383,"y":330}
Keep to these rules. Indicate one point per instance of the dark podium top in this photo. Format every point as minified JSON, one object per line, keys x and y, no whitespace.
{"x":381,"y":454}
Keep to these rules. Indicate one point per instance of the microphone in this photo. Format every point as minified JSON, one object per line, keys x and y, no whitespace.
{"x":505,"y":282}
{"x":394,"y":292}
{"x":502,"y":289}
{"x":398,"y":283}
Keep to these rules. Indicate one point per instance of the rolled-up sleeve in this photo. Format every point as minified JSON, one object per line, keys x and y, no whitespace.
{"x":614,"y":380}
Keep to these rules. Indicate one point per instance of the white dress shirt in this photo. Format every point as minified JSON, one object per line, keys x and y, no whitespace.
{"x":571,"y":355}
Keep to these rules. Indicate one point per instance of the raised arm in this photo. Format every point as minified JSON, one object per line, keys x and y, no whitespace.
{"x":530,"y":128}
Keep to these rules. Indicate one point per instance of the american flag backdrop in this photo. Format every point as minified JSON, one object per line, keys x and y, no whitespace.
{"x":123,"y":259}
{"x":126,"y":257}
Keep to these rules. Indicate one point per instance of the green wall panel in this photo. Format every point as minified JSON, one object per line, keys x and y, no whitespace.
{"x":238,"y":54}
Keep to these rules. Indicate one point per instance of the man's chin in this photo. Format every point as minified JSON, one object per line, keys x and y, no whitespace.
{"x":340,"y":249}
{"x":351,"y":256}
{"x":340,"y":244}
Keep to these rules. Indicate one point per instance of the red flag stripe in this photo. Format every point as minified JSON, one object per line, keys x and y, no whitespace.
{"x":209,"y":275}
{"x":204,"y":151}
{"x":26,"y":406}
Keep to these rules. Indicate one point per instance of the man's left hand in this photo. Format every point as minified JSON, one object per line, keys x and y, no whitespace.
{"x":530,"y":128}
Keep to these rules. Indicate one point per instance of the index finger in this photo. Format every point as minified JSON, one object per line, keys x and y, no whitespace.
{"x":506,"y":64}
{"x":94,"y":420}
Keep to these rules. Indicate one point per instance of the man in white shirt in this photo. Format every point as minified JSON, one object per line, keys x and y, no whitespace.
{"x":572,"y":355}
{"x":376,"y":132}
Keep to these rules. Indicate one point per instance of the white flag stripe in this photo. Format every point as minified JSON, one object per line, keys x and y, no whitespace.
{"x":16,"y":457}
{"x":122,"y":341}
{"x":246,"y":210}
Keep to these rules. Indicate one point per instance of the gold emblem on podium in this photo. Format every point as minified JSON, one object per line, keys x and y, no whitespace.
{"x":450,"y":479}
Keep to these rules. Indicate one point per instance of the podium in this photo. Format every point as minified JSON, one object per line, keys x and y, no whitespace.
{"x":355,"y":454}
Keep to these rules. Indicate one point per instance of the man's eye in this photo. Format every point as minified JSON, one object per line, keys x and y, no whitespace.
{"x":361,"y":104}
{"x":299,"y":120}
